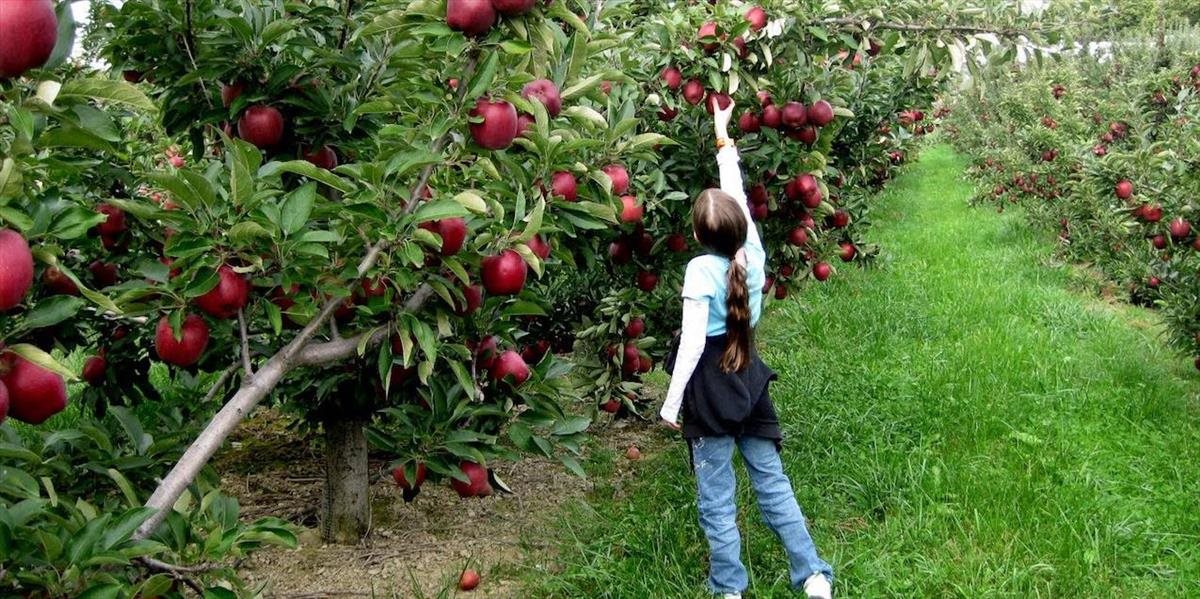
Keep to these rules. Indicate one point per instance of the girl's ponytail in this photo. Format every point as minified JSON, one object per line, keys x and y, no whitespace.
{"x":737,"y":320}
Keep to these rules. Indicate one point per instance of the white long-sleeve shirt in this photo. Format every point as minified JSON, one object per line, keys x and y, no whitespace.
{"x":697,"y":324}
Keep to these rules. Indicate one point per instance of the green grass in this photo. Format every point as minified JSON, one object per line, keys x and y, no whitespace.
{"x":959,"y":422}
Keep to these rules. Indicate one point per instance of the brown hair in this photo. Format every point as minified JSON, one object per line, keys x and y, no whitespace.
{"x":721,"y":226}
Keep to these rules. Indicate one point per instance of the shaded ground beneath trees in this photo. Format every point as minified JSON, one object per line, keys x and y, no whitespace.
{"x":417,"y":549}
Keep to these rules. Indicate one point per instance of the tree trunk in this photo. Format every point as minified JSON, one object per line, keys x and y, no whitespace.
{"x":346,"y":514}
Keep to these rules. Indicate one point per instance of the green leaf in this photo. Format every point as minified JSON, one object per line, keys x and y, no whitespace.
{"x":384,"y":23}
{"x":53,"y":310}
{"x":484,"y":75}
{"x":307,"y":169}
{"x":110,"y":90}
{"x":582,"y":87}
{"x":471,"y":201}
{"x":37,"y":356}
{"x":246,"y":232}
{"x":65,"y":41}
{"x":572,"y":425}
{"x":297,"y":207}
{"x":439,"y":209}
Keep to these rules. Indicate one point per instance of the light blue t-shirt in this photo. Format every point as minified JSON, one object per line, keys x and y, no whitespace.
{"x":706,"y":276}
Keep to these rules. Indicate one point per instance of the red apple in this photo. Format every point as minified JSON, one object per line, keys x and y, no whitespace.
{"x":620,"y":252}
{"x":1124,"y":189}
{"x":748,"y":122}
{"x":848,"y":251}
{"x":619,"y":177}
{"x":34,"y":393}
{"x":806,"y":134}
{"x":486,"y":352}
{"x":323,"y":157}
{"x":798,"y":236}
{"x":513,"y":8}
{"x":540,"y":247}
{"x":402,"y":480}
{"x":1153,"y":282}
{"x":1152,"y":213}
{"x":764,"y":98}
{"x":186,"y":349}
{"x":472,"y":300}
{"x":114,"y":222}
{"x":28,"y":32}
{"x":504,"y":273}
{"x":743,"y":51}
{"x":635,"y":328}
{"x":821,"y":271}
{"x":781,"y":292}
{"x":469,"y":579}
{"x":230,"y":92}
{"x":525,"y":123}
{"x":1159,"y":242}
{"x":647,"y":281}
{"x":820,"y":113}
{"x":632,"y":359}
{"x":677,"y":243}
{"x":667,"y":114}
{"x":4,"y":401}
{"x":544,"y":91}
{"x":104,"y":273}
{"x":476,"y":485}
{"x":563,"y":184}
{"x":511,"y":367}
{"x":794,"y":114}
{"x":472,"y":17}
{"x":693,"y":92}
{"x":1180,"y":228}
{"x":716,"y":99}
{"x":453,"y":232}
{"x":498,"y":128}
{"x":16,"y":269}
{"x":631,"y":211}
{"x":261,"y":125}
{"x":94,"y":369}
{"x":772,"y":116}
{"x":633,"y":453}
{"x":612,"y":406}
{"x":709,"y":30}
{"x":58,"y":282}
{"x":839,"y":219}
{"x":230,"y":295}
{"x":672,"y":78}
{"x":757,"y":17}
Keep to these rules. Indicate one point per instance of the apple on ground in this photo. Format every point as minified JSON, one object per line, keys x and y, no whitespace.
{"x":468,"y":581}
{"x":476,"y":485}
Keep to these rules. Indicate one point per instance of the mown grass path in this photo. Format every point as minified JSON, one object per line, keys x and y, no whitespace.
{"x":959,"y":423}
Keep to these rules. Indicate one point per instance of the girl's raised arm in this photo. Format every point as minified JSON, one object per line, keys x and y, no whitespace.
{"x":729,"y":165}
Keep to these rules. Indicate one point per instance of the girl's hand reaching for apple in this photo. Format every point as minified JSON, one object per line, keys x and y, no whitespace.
{"x":721,"y":117}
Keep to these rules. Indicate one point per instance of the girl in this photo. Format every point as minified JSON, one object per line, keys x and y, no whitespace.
{"x":721,"y":384}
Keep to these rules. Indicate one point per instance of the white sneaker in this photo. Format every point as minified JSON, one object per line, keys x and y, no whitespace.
{"x":817,"y":587}
{"x":731,"y":596}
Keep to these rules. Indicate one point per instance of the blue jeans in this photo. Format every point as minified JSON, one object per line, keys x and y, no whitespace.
{"x":712,"y":458}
